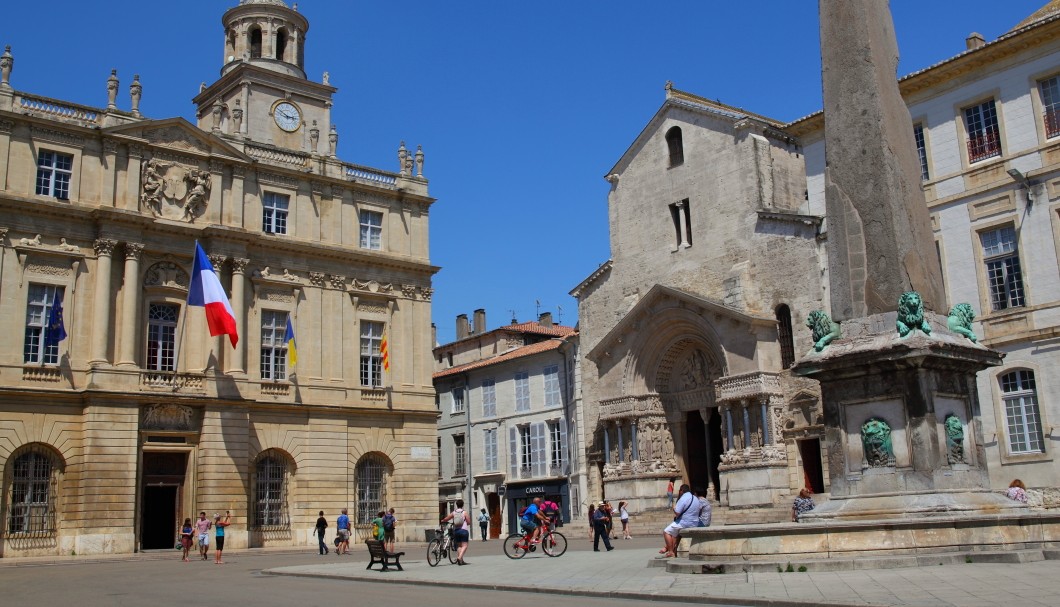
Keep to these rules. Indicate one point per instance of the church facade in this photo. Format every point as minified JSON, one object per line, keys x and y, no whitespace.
{"x":138,"y":418}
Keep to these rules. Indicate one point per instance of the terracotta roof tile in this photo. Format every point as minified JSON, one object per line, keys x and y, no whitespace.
{"x":539,"y":347}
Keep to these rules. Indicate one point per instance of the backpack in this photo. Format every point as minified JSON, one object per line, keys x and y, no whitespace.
{"x":458,"y":518}
{"x":388,"y":522}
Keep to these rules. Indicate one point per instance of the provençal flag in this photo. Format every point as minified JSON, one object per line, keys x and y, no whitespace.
{"x":288,"y":338}
{"x":384,"y":352}
{"x":206,"y":291}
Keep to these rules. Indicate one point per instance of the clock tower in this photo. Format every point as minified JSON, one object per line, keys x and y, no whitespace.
{"x":263,"y":94}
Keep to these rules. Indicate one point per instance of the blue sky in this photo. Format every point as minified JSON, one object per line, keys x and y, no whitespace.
{"x":521,"y":108}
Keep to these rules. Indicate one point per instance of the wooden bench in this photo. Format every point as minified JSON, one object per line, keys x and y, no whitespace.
{"x":377,"y":550}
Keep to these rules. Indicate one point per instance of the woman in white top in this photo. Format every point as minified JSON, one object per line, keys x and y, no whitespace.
{"x":623,"y":515}
{"x":461,"y":522}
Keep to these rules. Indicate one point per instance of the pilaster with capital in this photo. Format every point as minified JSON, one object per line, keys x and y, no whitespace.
{"x":109,"y":169}
{"x":236,"y":362}
{"x":101,"y":312}
{"x":132,"y":178}
{"x":130,"y":304}
{"x":217,"y":190}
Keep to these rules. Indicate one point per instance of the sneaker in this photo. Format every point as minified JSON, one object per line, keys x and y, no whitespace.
{"x":611,"y":548}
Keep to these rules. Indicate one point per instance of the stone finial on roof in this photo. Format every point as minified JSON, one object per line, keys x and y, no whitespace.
{"x":669,"y":87}
{"x":112,"y":90}
{"x":7,"y":61}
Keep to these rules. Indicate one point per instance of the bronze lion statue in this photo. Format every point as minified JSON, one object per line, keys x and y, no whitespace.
{"x":960,"y":321}
{"x":823,"y":327}
{"x":911,"y":314}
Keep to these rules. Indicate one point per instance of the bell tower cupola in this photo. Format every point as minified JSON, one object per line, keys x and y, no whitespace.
{"x":265,"y":33}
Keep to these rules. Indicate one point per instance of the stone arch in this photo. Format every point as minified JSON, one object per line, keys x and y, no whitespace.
{"x":272,"y":475}
{"x":371,"y":478}
{"x":32,"y":510}
{"x":665,"y":341}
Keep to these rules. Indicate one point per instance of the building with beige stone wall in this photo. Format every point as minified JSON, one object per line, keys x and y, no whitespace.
{"x":139,"y":418}
{"x":687,"y":331}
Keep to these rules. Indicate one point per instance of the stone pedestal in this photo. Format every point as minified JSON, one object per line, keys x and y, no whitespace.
{"x":902,"y":423}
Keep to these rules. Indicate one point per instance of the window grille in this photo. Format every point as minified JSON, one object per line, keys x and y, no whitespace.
{"x":371,"y":358}
{"x":785,"y":336}
{"x":1050,"y":89}
{"x":33,"y":484}
{"x":371,"y":488}
{"x":274,"y":209}
{"x":1004,"y":275}
{"x":1021,"y":412}
{"x":35,"y":350}
{"x":984,"y":137}
{"x":53,"y":174}
{"x":371,"y":230}
{"x":273,"y":346}
{"x":271,"y":491}
{"x":161,"y":336}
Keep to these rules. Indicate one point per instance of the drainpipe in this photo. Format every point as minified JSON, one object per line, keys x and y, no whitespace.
{"x":467,"y":449}
{"x":567,"y":418}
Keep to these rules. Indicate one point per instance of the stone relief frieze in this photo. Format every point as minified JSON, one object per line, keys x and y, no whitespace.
{"x":174,"y":191}
{"x":175,"y":137}
{"x":277,"y":296}
{"x":372,"y":286}
{"x":371,"y":308}
{"x":166,"y":417}
{"x":277,"y":179}
{"x":49,"y":267}
{"x":57,"y":136}
{"x":166,"y":274}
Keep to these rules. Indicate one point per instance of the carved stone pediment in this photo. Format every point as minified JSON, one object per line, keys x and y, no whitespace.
{"x":175,"y":137}
{"x":36,"y":257}
{"x":167,"y":417}
{"x":166,"y":275}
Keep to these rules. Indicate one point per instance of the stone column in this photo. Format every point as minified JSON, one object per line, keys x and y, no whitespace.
{"x":104,"y":248}
{"x":607,"y":444}
{"x":682,"y":223}
{"x":633,"y":439}
{"x":746,"y":424}
{"x":621,"y":447}
{"x":728,"y":426}
{"x":245,"y":97}
{"x":764,"y":402}
{"x":705,"y":414}
{"x":236,"y":362}
{"x":130,"y":306}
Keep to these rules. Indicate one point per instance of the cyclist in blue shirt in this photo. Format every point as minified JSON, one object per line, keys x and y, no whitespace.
{"x":532,"y":519}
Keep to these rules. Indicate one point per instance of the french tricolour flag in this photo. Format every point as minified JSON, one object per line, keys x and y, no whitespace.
{"x":206,"y":291}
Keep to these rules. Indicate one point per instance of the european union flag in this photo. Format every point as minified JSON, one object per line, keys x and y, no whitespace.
{"x":56,"y":331}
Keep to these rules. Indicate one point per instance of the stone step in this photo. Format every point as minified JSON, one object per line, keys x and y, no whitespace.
{"x":690,"y":566}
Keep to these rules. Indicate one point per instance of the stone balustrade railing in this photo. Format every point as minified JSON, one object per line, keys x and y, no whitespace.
{"x":164,"y":380}
{"x":631,"y":406}
{"x":748,"y":385}
{"x":278,"y":156}
{"x":372,"y":176}
{"x":275,"y":389}
{"x":44,"y":106}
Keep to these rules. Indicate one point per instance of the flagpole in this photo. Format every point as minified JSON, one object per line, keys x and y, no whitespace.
{"x":183,"y":321}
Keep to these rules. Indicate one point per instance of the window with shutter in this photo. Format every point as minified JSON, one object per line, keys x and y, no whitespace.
{"x":513,"y":453}
{"x":537,"y":437}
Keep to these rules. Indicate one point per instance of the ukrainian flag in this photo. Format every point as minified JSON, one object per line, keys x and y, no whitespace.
{"x":288,"y":338}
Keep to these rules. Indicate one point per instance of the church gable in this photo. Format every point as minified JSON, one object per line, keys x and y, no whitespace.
{"x":177,"y":135}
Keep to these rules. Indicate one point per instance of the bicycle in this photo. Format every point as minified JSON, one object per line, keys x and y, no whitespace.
{"x":553,"y":543}
{"x":441,"y":546}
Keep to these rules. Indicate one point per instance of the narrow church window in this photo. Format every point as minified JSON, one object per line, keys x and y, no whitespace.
{"x":784,"y":335}
{"x":281,"y":43}
{"x":255,"y":43}
{"x":676,"y":146}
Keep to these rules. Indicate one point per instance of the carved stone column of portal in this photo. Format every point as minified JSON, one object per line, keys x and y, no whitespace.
{"x":746,"y":424}
{"x":130,"y":304}
{"x":764,"y":402}
{"x":607,"y":444}
{"x":235,"y":363}
{"x":682,"y":224}
{"x":728,"y":427}
{"x":633,"y":439}
{"x":621,"y":447}
{"x":104,"y":248}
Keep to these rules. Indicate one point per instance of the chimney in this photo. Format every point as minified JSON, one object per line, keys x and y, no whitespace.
{"x":434,"y":335}
{"x":974,"y":40}
{"x":462,"y":329}
{"x":545,"y":319}
{"x":480,"y":321}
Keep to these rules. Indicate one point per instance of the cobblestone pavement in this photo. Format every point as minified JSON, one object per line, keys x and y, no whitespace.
{"x":624,"y":573}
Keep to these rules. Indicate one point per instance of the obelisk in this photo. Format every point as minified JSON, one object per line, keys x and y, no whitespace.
{"x":879,"y":232}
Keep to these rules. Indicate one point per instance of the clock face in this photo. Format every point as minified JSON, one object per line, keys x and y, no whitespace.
{"x":287,"y":117}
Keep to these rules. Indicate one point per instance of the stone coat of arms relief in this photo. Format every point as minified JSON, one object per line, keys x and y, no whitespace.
{"x":174,"y":191}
